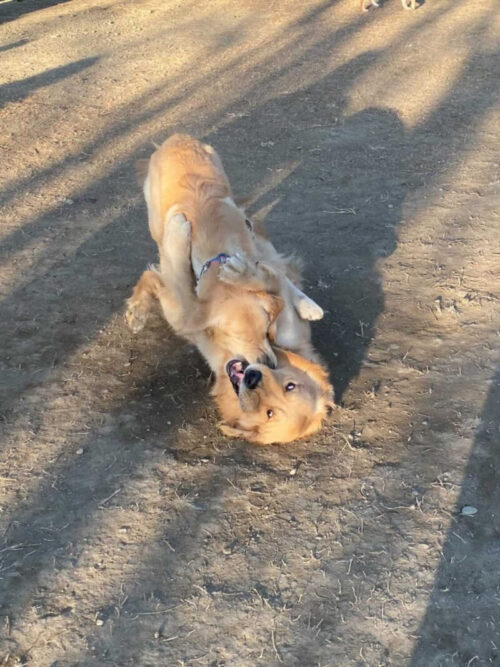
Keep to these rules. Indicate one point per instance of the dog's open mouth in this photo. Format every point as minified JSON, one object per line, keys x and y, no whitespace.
{"x":235,"y":370}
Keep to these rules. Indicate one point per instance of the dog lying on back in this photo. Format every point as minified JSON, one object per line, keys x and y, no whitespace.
{"x":228,"y":291}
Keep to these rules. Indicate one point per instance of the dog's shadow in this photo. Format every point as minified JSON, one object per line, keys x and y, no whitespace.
{"x":354,"y":188}
{"x":339,"y":209}
{"x":338,"y":206}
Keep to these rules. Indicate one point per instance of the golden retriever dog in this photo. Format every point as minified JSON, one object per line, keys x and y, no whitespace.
{"x":186,"y":178}
{"x":266,"y":406}
{"x":230,"y":303}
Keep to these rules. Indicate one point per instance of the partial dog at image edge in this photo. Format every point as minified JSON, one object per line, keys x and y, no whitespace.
{"x":225,"y":288}
{"x":406,"y":4}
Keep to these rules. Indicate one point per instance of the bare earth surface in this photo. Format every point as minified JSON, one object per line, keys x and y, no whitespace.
{"x":133,"y":533}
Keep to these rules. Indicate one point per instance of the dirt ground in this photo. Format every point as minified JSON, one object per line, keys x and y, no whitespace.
{"x":132,"y":533}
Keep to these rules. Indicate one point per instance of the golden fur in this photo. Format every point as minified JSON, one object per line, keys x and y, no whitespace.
{"x":186,"y":178}
{"x":270,"y":413}
{"x":236,"y":307}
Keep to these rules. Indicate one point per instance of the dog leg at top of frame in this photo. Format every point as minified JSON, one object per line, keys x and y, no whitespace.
{"x":365,"y":8}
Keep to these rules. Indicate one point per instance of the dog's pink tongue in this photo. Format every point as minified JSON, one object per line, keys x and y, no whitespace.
{"x":237,"y":369}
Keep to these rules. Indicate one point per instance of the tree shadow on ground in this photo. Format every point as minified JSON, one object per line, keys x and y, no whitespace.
{"x":11,"y":11}
{"x":65,"y":305}
{"x":17,"y":90}
{"x":463,"y":597}
{"x":14,"y":45}
{"x":139,"y":430}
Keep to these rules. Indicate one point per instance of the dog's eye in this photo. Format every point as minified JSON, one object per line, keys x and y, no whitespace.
{"x":270,"y":413}
{"x":290,"y":386}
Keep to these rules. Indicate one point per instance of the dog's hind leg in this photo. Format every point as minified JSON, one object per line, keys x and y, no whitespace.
{"x":141,"y":302}
{"x":183,"y":317}
{"x":304,"y":305}
{"x":171,"y":284}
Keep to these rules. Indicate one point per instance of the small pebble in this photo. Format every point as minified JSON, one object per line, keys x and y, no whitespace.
{"x":99,"y":621}
{"x":468,"y":510}
{"x":79,"y":451}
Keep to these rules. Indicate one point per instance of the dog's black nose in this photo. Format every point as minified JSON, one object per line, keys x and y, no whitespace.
{"x":252,"y":378}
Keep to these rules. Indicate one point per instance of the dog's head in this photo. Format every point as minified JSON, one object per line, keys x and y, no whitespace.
{"x":245,"y":324}
{"x":267,"y":406}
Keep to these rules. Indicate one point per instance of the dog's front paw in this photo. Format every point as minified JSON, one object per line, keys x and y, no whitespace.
{"x":136,"y":315}
{"x":309,"y":309}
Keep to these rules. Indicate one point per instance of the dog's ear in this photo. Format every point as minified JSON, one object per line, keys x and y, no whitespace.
{"x":259,"y":217}
{"x":242,"y":202}
{"x":330,"y":407}
{"x":259,"y":228}
{"x":141,"y":170}
{"x":235,"y":432}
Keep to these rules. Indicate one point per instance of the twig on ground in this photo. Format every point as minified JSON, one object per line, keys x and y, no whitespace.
{"x":103,"y":502}
{"x":275,"y":647}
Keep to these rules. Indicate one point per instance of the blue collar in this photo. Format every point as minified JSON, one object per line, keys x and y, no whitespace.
{"x":221,"y":258}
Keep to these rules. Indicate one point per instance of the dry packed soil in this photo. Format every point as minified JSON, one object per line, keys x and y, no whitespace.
{"x":132,"y":533}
